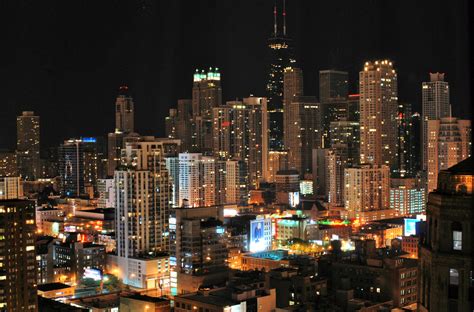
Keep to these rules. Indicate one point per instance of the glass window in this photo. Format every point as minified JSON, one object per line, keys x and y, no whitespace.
{"x":453,"y":277}
{"x":457,"y":236}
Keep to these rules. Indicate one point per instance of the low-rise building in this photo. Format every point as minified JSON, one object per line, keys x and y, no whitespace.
{"x":55,"y":290}
{"x":138,"y":302}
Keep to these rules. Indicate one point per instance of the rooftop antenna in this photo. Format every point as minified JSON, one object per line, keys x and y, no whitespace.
{"x":275,"y":30}
{"x":284,"y":18}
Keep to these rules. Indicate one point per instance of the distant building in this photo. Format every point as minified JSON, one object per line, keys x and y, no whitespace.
{"x":407,"y":196}
{"x":138,"y":302}
{"x":8,"y":164}
{"x":446,"y":253}
{"x":367,"y":188}
{"x":124,"y":111}
{"x":449,"y":142}
{"x":106,"y":190}
{"x":378,"y":112}
{"x":292,"y":87}
{"x":435,"y":105}
{"x":333,"y":85}
{"x":28,"y":145}
{"x":18,"y":275}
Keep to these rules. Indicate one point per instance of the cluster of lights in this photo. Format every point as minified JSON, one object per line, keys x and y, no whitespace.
{"x":212,"y":74}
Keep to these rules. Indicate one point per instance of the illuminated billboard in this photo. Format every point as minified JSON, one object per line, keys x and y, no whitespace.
{"x":95,"y":274}
{"x":260,"y":235}
{"x":294,"y":198}
{"x":410,"y":226}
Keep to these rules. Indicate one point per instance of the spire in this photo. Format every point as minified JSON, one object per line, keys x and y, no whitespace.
{"x":284,"y":18}
{"x":275,"y":29}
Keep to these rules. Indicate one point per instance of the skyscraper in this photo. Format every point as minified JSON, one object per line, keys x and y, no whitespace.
{"x":292,"y":87}
{"x":449,"y":142}
{"x":435,"y":105}
{"x":367,"y":188}
{"x":303,"y":131}
{"x":143,"y":192}
{"x":18,"y":274}
{"x":206,"y":94}
{"x":179,"y":124}
{"x":446,"y":260}
{"x":78,"y":166}
{"x":28,"y":145}
{"x":378,"y":113}
{"x":281,"y":57}
{"x":333,"y":85}
{"x":10,"y":188}
{"x":124,"y":111}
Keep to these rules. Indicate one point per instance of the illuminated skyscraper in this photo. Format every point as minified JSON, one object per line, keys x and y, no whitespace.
{"x":8,"y":164}
{"x":281,"y":57}
{"x":18,"y":269}
{"x":207,"y":94}
{"x":28,"y":145}
{"x":367,"y":188}
{"x":124,"y":111}
{"x":435,"y":105}
{"x":78,"y":166}
{"x":378,"y":114}
{"x":179,"y":124}
{"x":449,"y":142}
{"x":292,"y":87}
{"x":303,"y":131}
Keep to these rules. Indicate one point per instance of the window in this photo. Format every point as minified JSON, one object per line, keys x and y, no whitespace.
{"x":457,"y":235}
{"x":453,"y":284}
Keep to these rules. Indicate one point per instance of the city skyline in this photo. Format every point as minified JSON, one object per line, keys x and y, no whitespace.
{"x":158,"y":80}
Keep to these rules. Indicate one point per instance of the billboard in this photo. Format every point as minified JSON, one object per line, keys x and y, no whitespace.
{"x":410,"y":226}
{"x":294,"y":198}
{"x":95,"y":274}
{"x":260,"y":235}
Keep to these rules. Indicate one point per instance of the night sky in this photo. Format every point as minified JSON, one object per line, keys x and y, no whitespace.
{"x":66,"y":59}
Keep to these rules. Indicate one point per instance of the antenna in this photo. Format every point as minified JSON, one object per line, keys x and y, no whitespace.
{"x":275,"y":30}
{"x":284,"y":18}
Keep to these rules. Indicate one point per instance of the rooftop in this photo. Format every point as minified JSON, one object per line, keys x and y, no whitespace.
{"x":52,"y":286}
{"x":465,"y":167}
{"x":145,"y":298}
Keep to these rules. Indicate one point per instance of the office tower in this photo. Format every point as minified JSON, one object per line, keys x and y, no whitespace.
{"x":172,"y":165}
{"x":28,"y":145}
{"x":292,"y":87}
{"x":236,"y":182}
{"x":446,"y":260}
{"x":206,"y":94}
{"x":435,"y":105}
{"x":200,"y":181}
{"x":287,"y":187}
{"x":8,"y":164}
{"x":17,"y":256}
{"x":124,"y":111}
{"x":404,"y":140}
{"x":77,"y":166}
{"x":353,"y":107}
{"x":407,"y":196}
{"x":337,"y":162}
{"x":143,"y":195}
{"x":414,"y":159}
{"x":277,"y":160}
{"x":367,"y":188}
{"x":303,"y":132}
{"x":198,"y":249}
{"x":320,"y":171}
{"x":449,"y":142}
{"x":280,"y":57}
{"x":378,"y":112}
{"x":346,"y":133}
{"x":10,"y":188}
{"x":227,"y":128}
{"x":333,"y":85}
{"x":179,"y":124}
{"x":106,"y":190}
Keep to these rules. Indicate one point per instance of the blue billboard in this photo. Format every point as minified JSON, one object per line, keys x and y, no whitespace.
{"x":410,"y":226}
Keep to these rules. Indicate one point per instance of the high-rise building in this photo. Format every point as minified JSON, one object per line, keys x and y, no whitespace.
{"x":292,"y":87}
{"x":435,"y":105}
{"x":449,"y":142}
{"x":77,"y":166}
{"x":280,"y":57}
{"x":143,"y":197}
{"x":236,"y":183}
{"x":206,"y":94}
{"x":346,"y":133}
{"x":179,"y":124}
{"x":378,"y":113}
{"x":367,"y":188}
{"x":200,"y":181}
{"x":198,"y":246}
{"x":333,"y":85}
{"x":28,"y":145}
{"x":303,"y":131}
{"x":446,"y":262}
{"x":10,"y":188}
{"x":337,"y":162}
{"x":18,"y":273}
{"x":172,"y":165}
{"x":124,"y":111}
{"x":407,"y":196}
{"x":277,"y":160}
{"x":320,"y":171}
{"x":106,"y":190}
{"x":406,"y":138}
{"x":8,"y":164}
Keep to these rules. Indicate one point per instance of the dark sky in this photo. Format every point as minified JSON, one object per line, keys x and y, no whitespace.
{"x":66,"y":59}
